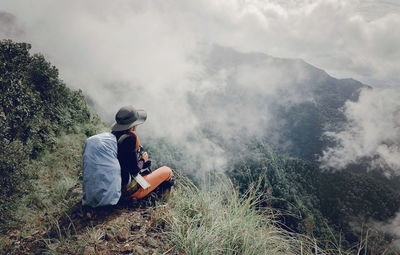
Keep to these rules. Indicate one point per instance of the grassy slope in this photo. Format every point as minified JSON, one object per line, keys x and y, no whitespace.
{"x":47,"y":191}
{"x":191,"y":221}
{"x":217,"y":220}
{"x":214,"y":219}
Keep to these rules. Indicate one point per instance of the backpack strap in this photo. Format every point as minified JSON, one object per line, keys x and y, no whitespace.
{"x":122,"y":138}
{"x":130,"y":189}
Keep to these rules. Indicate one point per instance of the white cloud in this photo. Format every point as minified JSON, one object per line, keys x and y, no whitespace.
{"x":144,"y":52}
{"x":346,"y":38}
{"x":372,"y":131}
{"x":392,"y":226}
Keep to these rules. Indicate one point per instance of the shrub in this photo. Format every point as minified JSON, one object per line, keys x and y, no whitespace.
{"x":36,"y":106}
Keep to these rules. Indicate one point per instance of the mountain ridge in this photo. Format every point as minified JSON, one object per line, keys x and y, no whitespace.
{"x":269,"y":92}
{"x":268,"y":192}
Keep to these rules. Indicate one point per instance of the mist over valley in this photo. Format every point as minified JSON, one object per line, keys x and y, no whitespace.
{"x":298,"y":101}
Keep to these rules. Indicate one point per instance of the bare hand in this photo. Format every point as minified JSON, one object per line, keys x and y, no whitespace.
{"x":145,"y":156}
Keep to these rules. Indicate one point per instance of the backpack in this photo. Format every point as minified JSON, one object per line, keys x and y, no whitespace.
{"x":101,"y":171}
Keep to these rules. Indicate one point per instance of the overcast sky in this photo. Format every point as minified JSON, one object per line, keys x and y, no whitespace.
{"x":347,"y":38}
{"x":144,"y":53}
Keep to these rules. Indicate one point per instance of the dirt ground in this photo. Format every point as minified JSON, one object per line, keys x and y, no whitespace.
{"x":131,"y":228}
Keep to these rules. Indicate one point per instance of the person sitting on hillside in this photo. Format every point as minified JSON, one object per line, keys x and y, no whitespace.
{"x":132,"y":159}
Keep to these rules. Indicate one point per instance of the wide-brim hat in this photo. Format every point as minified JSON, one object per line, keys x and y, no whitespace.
{"x":128,"y":117}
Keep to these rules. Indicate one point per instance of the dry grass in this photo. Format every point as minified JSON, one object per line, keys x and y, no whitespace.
{"x":217,"y":220}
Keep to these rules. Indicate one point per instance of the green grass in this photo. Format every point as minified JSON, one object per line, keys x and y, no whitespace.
{"x":56,"y":189}
{"x":217,"y":220}
{"x":211,"y":219}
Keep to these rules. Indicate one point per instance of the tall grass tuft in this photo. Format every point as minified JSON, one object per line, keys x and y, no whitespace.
{"x":218,"y":220}
{"x":62,"y":187}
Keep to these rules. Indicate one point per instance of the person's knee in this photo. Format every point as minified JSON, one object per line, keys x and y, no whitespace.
{"x":168,"y":172}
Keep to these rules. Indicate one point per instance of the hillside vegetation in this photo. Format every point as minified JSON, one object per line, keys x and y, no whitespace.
{"x":36,"y":107}
{"x":266,"y":203}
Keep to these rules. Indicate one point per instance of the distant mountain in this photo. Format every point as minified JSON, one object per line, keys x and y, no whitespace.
{"x":246,"y":100}
{"x":254,"y":102}
{"x":287,"y":102}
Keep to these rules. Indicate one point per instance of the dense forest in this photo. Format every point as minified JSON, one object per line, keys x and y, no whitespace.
{"x":331,"y":206}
